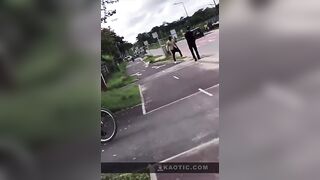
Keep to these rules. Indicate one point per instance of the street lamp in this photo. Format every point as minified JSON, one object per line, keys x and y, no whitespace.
{"x":183,"y":7}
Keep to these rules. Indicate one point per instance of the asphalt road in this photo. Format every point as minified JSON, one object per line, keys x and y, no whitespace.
{"x":181,"y":103}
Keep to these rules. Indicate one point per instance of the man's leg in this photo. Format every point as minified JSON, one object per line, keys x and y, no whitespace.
{"x":180,"y":52}
{"x":194,"y":57}
{"x":174,"y":55}
{"x":196,"y":49}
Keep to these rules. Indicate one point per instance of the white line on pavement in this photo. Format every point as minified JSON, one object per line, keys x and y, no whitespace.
{"x":153,"y":176}
{"x":179,"y":100}
{"x":145,"y":63}
{"x":142,"y":101}
{"x":136,"y":74}
{"x":157,"y":67}
{"x":176,"y":77}
{"x":203,"y":91}
{"x":215,"y":141}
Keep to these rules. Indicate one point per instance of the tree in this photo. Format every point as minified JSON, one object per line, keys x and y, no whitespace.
{"x":164,"y":29}
{"x":105,"y":12}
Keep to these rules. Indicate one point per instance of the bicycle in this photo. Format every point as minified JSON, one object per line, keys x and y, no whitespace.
{"x":109,"y":126}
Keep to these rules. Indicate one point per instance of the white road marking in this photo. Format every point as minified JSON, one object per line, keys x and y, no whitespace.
{"x":145,"y":63}
{"x":153,"y":176}
{"x":157,"y":67}
{"x":136,"y":74}
{"x":176,"y":77}
{"x":142,"y":101}
{"x":180,"y":100}
{"x":215,"y":141}
{"x":207,"y":93}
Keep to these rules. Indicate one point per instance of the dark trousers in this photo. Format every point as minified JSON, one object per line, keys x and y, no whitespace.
{"x":194,"y":47}
{"x":174,"y":53}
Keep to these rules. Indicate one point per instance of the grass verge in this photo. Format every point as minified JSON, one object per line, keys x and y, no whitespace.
{"x":120,"y":79}
{"x":121,"y":98}
{"x":151,"y":59}
{"x":157,"y":59}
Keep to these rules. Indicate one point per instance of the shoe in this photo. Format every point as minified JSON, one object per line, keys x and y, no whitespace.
{"x":175,"y":62}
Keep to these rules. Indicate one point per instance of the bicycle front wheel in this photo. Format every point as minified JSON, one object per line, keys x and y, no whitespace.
{"x":108,"y":126}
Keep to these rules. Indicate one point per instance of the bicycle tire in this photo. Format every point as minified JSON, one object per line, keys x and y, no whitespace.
{"x":115,"y":129}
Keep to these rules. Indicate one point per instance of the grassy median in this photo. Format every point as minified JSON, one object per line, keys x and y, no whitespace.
{"x":151,"y":59}
{"x":157,"y":59}
{"x":120,"y":79}
{"x":122,"y":98}
{"x":122,"y":92}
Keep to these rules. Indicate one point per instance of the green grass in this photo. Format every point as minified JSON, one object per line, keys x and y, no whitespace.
{"x":122,"y":93}
{"x":151,"y":59}
{"x":122,"y":98}
{"x":120,"y":79}
{"x":126,"y":176}
{"x":154,"y":46}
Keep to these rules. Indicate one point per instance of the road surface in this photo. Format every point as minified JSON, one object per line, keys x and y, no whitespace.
{"x":180,"y":110}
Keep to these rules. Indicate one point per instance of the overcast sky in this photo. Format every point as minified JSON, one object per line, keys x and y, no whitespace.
{"x":137,"y":16}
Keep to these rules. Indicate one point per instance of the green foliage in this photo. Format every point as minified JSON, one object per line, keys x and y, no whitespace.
{"x":150,"y":59}
{"x":120,"y":78}
{"x":121,"y":93}
{"x":118,"y":99}
{"x":112,"y":44}
{"x":164,"y":30}
{"x":157,"y":59}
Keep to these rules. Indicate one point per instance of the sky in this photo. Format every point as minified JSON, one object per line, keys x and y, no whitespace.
{"x":138,"y":16}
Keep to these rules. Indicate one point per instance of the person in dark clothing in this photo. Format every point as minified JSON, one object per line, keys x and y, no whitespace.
{"x":192,"y":43}
{"x":173,"y":48}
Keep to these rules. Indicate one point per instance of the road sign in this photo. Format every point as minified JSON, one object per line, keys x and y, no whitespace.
{"x":155,"y":35}
{"x":173,"y":33}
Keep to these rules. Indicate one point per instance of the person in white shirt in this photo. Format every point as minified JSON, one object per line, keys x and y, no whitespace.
{"x":173,"y":48}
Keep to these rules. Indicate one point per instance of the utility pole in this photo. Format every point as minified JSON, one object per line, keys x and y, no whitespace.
{"x":185,"y":9}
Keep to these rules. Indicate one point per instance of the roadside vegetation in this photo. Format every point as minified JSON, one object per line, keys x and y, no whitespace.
{"x":122,"y":92}
{"x":158,"y":59}
{"x":120,"y":78}
{"x":123,"y":98}
{"x":198,"y":19}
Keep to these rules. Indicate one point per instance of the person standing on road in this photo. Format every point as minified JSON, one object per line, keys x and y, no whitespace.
{"x":192,"y":43}
{"x":173,"y":48}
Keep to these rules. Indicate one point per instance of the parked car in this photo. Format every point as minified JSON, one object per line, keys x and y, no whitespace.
{"x":215,"y":25}
{"x":129,"y":58}
{"x":198,"y":33}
